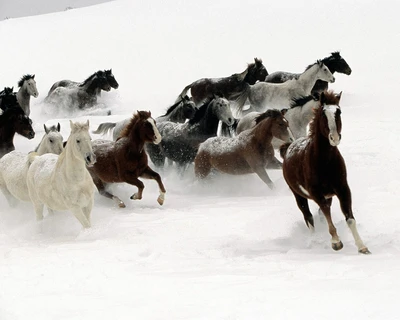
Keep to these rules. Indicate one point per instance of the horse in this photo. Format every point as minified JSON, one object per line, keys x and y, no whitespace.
{"x":111,"y":79}
{"x":314,"y":169}
{"x":78,"y":95}
{"x":249,"y":152}
{"x":125,"y":160}
{"x":180,"y":111}
{"x":14,"y":166}
{"x":263,"y":95}
{"x":230,"y":86}
{"x":298,"y":115}
{"x":27,"y":88}
{"x":13,"y":120}
{"x":181,"y":140}
{"x":335,"y":63}
{"x":8,"y":98}
{"x":62,"y":182}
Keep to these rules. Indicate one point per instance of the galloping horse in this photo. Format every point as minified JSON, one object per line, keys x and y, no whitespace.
{"x":335,"y":63}
{"x":78,"y":95}
{"x":249,"y":152}
{"x":230,"y":87}
{"x":265,"y":95}
{"x":13,"y":120}
{"x":181,"y":140}
{"x":14,"y":166}
{"x":179,"y":112}
{"x":62,"y":182}
{"x":314,"y":169}
{"x":125,"y":160}
{"x":27,"y":88}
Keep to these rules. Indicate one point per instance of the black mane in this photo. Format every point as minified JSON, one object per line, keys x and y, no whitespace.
{"x":301,"y":101}
{"x":175,"y":105}
{"x":200,"y":112}
{"x":97,"y":73}
{"x":24,"y":78}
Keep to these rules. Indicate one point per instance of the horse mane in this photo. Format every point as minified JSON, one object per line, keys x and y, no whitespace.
{"x":201,"y":111}
{"x":270,"y":113}
{"x":24,"y":78}
{"x":174,"y":106}
{"x":97,"y":73}
{"x":319,"y":61}
{"x":134,"y":120}
{"x":14,"y":110}
{"x":301,"y":101}
{"x":330,"y":98}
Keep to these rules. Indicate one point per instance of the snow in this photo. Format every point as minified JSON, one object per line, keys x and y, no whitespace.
{"x":229,"y":248}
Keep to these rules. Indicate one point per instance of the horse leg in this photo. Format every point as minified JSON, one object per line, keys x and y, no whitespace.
{"x":202,"y":165}
{"x":78,"y":213}
{"x":148,"y":173}
{"x":302,"y":203}
{"x":133,"y":180}
{"x":260,"y":171}
{"x":345,"y":205}
{"x":325,"y":205}
{"x":102,"y":190}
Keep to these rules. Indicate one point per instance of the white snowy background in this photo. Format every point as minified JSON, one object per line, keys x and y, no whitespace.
{"x":232,"y":249}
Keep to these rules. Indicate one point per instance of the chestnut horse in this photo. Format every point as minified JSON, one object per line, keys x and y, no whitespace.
{"x":314,"y":169}
{"x":249,"y":152}
{"x":125,"y":160}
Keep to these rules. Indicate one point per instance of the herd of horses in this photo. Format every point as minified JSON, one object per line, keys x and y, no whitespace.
{"x":293,"y":113}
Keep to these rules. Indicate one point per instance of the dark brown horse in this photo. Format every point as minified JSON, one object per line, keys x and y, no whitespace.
{"x":249,"y":152}
{"x":314,"y":169}
{"x":13,"y":120}
{"x":229,"y":87}
{"x":125,"y":160}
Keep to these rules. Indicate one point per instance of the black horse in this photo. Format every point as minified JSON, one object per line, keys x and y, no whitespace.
{"x":8,"y":98}
{"x":335,"y":63}
{"x":230,"y":87}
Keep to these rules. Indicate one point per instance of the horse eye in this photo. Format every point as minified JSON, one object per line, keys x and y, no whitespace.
{"x":78,"y":141}
{"x":51,"y":140}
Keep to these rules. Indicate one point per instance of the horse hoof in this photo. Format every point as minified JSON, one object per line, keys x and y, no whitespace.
{"x":337,"y":246}
{"x":121,"y":205}
{"x":364,"y":251}
{"x":160,"y":201}
{"x":135,"y":197}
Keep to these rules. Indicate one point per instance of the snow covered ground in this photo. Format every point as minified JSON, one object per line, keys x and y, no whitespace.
{"x":231,"y":249}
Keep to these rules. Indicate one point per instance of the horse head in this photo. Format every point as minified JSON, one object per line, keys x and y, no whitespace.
{"x":22,"y":123}
{"x":148,"y":128}
{"x":340,"y":65}
{"x":102,"y":81}
{"x":111,"y":79}
{"x":80,"y":142}
{"x":277,"y":124}
{"x":323,"y":72}
{"x":188,"y":108}
{"x":52,"y":141}
{"x":222,"y":109}
{"x":330,"y":125}
{"x":28,"y":83}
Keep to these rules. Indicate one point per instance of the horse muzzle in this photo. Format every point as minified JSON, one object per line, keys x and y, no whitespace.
{"x":157,"y":139}
{"x":334,"y":139}
{"x":90,"y":159}
{"x":333,"y":80}
{"x":30,"y":135}
{"x":348,"y":72}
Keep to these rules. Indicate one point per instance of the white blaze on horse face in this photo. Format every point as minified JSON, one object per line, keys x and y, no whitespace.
{"x":333,"y":137}
{"x":157,"y":135}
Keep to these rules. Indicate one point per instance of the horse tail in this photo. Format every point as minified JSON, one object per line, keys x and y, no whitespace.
{"x":241,"y":99}
{"x":105,"y":128}
{"x":184,"y":92}
{"x":31,"y":157}
{"x":283,"y":149}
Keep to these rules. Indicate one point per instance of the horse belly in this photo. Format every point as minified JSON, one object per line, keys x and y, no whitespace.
{"x":230,"y":163}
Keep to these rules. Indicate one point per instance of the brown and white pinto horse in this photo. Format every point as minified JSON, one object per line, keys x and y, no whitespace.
{"x":314,"y":169}
{"x":249,"y":152}
{"x":125,"y":160}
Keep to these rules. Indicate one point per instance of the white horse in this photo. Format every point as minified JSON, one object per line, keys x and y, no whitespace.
{"x":265,"y":95}
{"x":27,"y":88}
{"x":14,"y":166}
{"x":63,"y":182}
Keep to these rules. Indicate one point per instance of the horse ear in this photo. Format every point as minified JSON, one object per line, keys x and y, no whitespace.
{"x":283,"y":111}
{"x":87,"y":124}
{"x":58,"y":127}
{"x":46,"y":129}
{"x":33,"y":77}
{"x":339,"y":95}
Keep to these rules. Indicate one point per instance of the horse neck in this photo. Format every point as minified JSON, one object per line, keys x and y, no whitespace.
{"x":250,"y":78}
{"x":262,"y":132}
{"x":321,"y":146}
{"x":134,"y":141}
{"x":307,"y":79}
{"x":23,"y":98}
{"x":72,"y":167}
{"x":7,"y":133}
{"x":90,"y":86}
{"x":176,"y":115}
{"x":209,"y":123}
